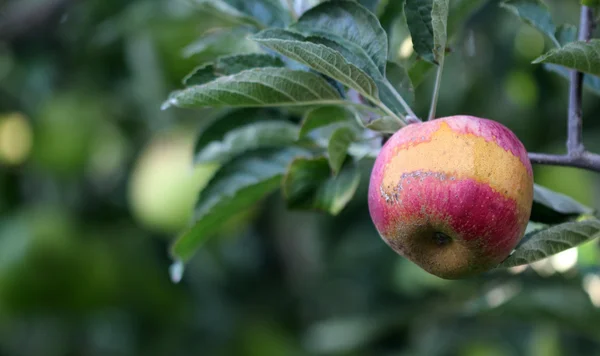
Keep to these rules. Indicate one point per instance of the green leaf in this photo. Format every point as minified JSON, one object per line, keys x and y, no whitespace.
{"x":308,"y":184}
{"x":385,"y":124}
{"x":400,"y":80}
{"x":222,"y":42}
{"x":590,"y":3}
{"x":579,"y":55}
{"x":543,"y":243}
{"x":418,"y":72}
{"x":427,"y":21}
{"x":360,"y":59}
{"x":227,"y":13}
{"x":323,"y":116}
{"x":228,"y":65}
{"x":215,"y":127}
{"x":534,"y":13}
{"x":254,"y":136}
{"x":236,"y":186}
{"x":270,"y":13}
{"x":337,"y":149}
{"x":318,"y":57}
{"x":558,"y":202}
{"x":350,"y":22}
{"x":233,"y":64}
{"x":566,"y":33}
{"x":200,"y":75}
{"x":258,"y":87}
{"x":590,"y":82}
{"x":551,"y":207}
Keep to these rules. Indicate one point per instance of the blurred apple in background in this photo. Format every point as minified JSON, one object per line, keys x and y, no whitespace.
{"x":164,"y":184}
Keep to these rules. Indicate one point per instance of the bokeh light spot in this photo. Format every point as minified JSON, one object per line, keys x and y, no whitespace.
{"x":15,"y":139}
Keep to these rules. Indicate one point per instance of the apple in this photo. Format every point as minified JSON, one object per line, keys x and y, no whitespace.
{"x":452,"y":195}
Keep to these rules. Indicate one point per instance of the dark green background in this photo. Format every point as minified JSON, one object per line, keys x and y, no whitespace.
{"x":84,"y":270}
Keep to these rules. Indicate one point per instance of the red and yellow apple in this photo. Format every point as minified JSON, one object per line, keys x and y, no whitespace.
{"x":452,"y":195}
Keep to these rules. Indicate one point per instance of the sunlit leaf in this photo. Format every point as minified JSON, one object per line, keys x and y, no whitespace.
{"x":309,"y":184}
{"x":579,"y":55}
{"x":534,"y":13}
{"x":352,"y":23}
{"x":543,"y":243}
{"x":258,"y":87}
{"x":318,"y":57}
{"x":236,"y":186}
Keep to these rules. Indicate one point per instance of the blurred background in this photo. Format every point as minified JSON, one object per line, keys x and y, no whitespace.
{"x":95,"y":182}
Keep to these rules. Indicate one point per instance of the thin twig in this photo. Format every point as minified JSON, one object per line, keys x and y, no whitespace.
{"x":436,"y":89}
{"x":586,"y":160}
{"x":576,"y":155}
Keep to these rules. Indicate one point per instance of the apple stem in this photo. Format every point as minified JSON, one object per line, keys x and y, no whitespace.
{"x":436,"y":89}
{"x":576,"y":155}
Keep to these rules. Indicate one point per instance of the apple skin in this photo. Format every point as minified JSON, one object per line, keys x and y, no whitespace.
{"x":452,"y":195}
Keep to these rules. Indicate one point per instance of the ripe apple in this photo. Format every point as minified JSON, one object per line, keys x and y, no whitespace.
{"x":452,"y":195}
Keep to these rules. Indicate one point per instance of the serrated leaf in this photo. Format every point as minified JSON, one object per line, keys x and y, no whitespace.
{"x":318,"y":57}
{"x":351,"y":22}
{"x":227,"y":13}
{"x":578,"y":55}
{"x":544,"y":243}
{"x":254,"y":136}
{"x":337,"y":149}
{"x":566,"y":33}
{"x":233,"y":64}
{"x":385,"y":124}
{"x":200,"y":75}
{"x":534,"y":13}
{"x":258,"y":88}
{"x":590,"y":82}
{"x":427,"y":21}
{"x":216,"y":126}
{"x":228,"y":65}
{"x":236,"y":186}
{"x":308,"y":184}
{"x":323,"y":116}
{"x":355,"y":55}
{"x":400,"y":80}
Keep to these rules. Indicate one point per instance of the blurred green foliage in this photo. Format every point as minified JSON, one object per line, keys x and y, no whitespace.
{"x":84,"y":234}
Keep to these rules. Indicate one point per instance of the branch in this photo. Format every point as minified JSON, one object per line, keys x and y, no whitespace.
{"x":586,"y":160}
{"x":576,"y":155}
{"x":574,"y":140}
